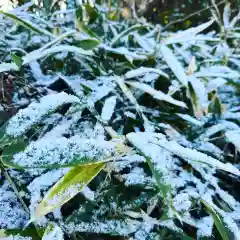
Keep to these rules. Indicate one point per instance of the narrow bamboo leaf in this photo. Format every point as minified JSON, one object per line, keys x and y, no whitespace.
{"x":142,"y":71}
{"x":87,"y":30}
{"x":173,"y":64}
{"x":217,"y":220}
{"x":58,"y":39}
{"x":215,"y":106}
{"x":26,"y":118}
{"x":27,"y":24}
{"x":196,"y":156}
{"x":191,"y":94}
{"x":163,"y":187}
{"x":17,"y":60}
{"x":35,"y":55}
{"x":88,"y":44}
{"x":226,"y":15}
{"x":67,"y":187}
{"x":116,"y":40}
{"x":5,"y":67}
{"x":157,"y":94}
{"x":188,"y":34}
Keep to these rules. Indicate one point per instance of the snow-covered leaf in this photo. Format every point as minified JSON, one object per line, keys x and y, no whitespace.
{"x":125,"y":32}
{"x":53,"y":232}
{"x":144,"y":71}
{"x":195,"y":156}
{"x":188,"y":34}
{"x":27,"y":24}
{"x":226,"y":15}
{"x":31,"y":115}
{"x":35,"y":55}
{"x":5,"y":67}
{"x":157,"y":94}
{"x":173,"y":64}
{"x":108,"y":108}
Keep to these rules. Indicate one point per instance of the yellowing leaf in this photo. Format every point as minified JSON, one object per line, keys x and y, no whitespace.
{"x":67,"y":187}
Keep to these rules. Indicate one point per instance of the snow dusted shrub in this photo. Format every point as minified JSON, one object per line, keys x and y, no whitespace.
{"x":132,"y":133}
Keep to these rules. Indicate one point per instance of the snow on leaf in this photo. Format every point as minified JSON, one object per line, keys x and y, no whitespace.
{"x":234,"y":137}
{"x":60,"y":151}
{"x":67,"y":187}
{"x":215,"y":83}
{"x":5,"y":67}
{"x":205,"y":227}
{"x":191,"y":155}
{"x":114,"y":227}
{"x":130,"y":55}
{"x":200,"y":91}
{"x":125,"y":32}
{"x":173,"y":64}
{"x":143,"y":71}
{"x":218,"y":71}
{"x":108,"y":108}
{"x":27,"y":24}
{"x":157,"y":94}
{"x":190,"y":119}
{"x":31,"y":115}
{"x":37,"y":54}
{"x":188,"y":34}
{"x":226,"y":15}
{"x":53,"y":232}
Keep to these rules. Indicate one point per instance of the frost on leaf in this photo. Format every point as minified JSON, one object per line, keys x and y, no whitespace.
{"x":63,"y":151}
{"x":31,"y":115}
{"x":12,"y":215}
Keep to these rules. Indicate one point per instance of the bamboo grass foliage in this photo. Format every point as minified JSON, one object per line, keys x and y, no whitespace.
{"x":120,"y":130}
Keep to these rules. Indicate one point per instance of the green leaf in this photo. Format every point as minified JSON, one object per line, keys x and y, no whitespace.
{"x":116,"y":40}
{"x":164,"y":188}
{"x":18,"y":60}
{"x":67,"y":187}
{"x":113,"y":15}
{"x":26,"y":24}
{"x":215,"y":106}
{"x":87,"y":30}
{"x":88,"y":44}
{"x":91,"y":12}
{"x":194,"y":101}
{"x":217,"y":220}
{"x":16,"y":146}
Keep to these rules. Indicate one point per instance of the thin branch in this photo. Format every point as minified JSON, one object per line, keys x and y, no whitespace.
{"x":190,"y":15}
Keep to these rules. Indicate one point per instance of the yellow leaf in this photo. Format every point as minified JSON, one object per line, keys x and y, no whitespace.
{"x":67,"y":187}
